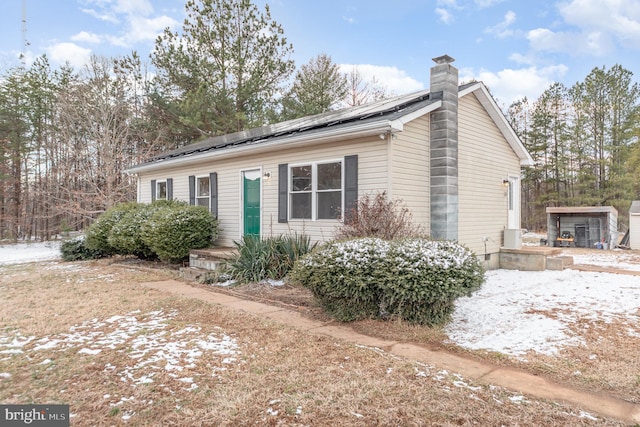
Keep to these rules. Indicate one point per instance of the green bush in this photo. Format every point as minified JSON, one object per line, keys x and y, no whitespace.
{"x":344,"y":277}
{"x":415,"y":279}
{"x":125,"y":236}
{"x":423,"y":278}
{"x":97,"y":235}
{"x":271,"y":258}
{"x":171,"y":231}
{"x":76,"y":250}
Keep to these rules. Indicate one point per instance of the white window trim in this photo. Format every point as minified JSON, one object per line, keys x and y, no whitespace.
{"x":164,"y":181}
{"x":198,"y":187}
{"x":314,"y":189}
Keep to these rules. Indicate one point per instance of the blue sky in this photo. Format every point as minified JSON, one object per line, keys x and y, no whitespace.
{"x":517,"y":47}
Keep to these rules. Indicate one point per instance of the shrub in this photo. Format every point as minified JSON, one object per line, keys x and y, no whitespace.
{"x":415,"y":279}
{"x":270,"y":258}
{"x":344,"y":277}
{"x":171,"y":231}
{"x":423,"y":278}
{"x":76,"y":250}
{"x":378,"y":217}
{"x":125,"y":236}
{"x":97,"y":235}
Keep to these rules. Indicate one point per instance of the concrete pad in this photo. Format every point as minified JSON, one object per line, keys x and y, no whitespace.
{"x":348,"y":334}
{"x":253,"y":307}
{"x":443,"y":360}
{"x":293,"y":319}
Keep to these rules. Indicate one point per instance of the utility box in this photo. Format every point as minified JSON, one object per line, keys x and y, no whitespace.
{"x":512,"y":238}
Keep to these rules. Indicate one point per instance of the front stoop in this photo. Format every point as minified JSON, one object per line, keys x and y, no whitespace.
{"x":210,"y":259}
{"x":204,"y":261}
{"x":559,"y":262}
{"x":534,"y":258}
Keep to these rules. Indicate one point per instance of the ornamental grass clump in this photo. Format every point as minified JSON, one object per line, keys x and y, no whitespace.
{"x":269,"y":258}
{"x":414,"y":279}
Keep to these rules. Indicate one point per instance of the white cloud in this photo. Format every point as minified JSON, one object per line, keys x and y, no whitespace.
{"x":86,"y":37}
{"x":510,"y":85}
{"x":69,"y":52}
{"x":144,"y":29}
{"x":138,"y":7}
{"x":619,"y":19}
{"x":482,"y":4}
{"x":444,"y":15}
{"x":135,"y":18}
{"x":394,"y":80}
{"x":103,"y":16}
{"x":594,"y":43}
{"x":595,"y":28}
{"x":502,"y":30}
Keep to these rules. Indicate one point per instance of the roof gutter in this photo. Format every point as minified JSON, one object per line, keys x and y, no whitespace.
{"x":266,"y":145}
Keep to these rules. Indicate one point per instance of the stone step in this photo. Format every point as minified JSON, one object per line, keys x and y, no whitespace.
{"x":210,"y":258}
{"x":193,"y":274}
{"x":559,"y":262}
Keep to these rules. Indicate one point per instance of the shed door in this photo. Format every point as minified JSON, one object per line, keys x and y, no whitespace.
{"x":251,"y":202}
{"x":513,"y":202}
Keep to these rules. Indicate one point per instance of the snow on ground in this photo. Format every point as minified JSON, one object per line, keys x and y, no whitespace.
{"x":504,"y":315}
{"x":20,"y":253}
{"x":152,"y":347}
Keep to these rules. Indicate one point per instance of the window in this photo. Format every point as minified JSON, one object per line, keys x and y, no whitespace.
{"x":161,"y":190}
{"x":316,"y":191}
{"x":203,"y":191}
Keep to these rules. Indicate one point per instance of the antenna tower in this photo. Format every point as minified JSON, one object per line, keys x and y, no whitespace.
{"x":25,"y":43}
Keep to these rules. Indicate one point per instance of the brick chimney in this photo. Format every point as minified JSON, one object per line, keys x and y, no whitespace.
{"x":444,"y":150}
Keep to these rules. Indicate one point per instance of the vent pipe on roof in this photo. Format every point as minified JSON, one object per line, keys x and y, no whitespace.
{"x":444,"y":150}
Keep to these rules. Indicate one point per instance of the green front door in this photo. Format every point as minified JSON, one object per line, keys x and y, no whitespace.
{"x":251,"y":202}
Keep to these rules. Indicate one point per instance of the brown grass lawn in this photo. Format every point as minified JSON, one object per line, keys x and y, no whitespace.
{"x":88,"y":335}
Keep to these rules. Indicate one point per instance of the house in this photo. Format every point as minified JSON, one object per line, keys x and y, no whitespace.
{"x":448,"y":153}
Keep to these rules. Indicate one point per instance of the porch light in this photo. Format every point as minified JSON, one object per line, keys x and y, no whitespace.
{"x":505,"y":182}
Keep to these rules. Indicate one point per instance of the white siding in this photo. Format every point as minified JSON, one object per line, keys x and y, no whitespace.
{"x":485,"y":160}
{"x":410,"y":169}
{"x":634,"y":231}
{"x":372,"y":177}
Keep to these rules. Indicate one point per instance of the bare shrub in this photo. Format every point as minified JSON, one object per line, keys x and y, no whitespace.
{"x":377,"y":216}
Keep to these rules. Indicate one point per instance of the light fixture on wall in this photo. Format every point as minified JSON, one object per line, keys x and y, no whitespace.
{"x":267,"y":175}
{"x":382,"y":135}
{"x":505,"y":182}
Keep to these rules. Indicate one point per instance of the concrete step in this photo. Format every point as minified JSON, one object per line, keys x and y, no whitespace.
{"x":210,"y":258}
{"x":559,"y":262}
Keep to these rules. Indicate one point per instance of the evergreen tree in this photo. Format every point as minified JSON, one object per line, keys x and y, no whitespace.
{"x":318,"y":87}
{"x":222,"y":72}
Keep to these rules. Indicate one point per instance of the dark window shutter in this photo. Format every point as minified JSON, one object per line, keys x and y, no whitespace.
{"x":169,"y":188}
{"x":283,"y":192}
{"x":153,"y":190}
{"x":213,"y":190}
{"x":192,"y":190}
{"x":350,"y":186}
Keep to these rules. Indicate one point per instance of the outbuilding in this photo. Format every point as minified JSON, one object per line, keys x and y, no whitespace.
{"x":582,"y":227}
{"x":634,"y":225}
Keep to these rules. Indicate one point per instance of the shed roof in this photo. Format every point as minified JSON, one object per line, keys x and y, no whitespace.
{"x":581,"y":209}
{"x":635,"y":208}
